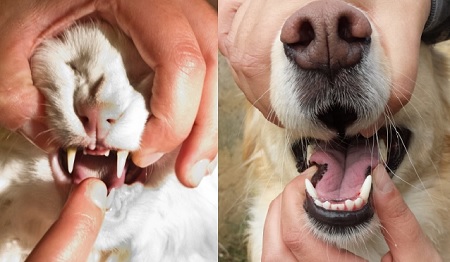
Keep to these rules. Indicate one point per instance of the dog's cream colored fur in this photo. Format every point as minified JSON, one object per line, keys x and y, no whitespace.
{"x":423,"y":177}
{"x":165,"y":222}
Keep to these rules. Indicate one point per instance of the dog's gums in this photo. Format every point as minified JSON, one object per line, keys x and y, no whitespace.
{"x":339,"y":193}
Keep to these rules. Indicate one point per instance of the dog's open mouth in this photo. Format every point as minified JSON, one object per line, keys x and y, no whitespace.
{"x":113,"y":167}
{"x":339,"y":193}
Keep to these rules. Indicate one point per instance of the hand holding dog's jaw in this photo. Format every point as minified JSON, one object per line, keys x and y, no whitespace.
{"x":246,"y":37}
{"x":285,"y":236}
{"x":396,"y":219}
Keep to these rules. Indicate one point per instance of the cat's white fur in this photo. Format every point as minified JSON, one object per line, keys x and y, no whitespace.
{"x":164,"y":221}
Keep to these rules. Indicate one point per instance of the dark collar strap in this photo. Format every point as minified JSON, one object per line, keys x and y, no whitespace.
{"x":437,"y":27}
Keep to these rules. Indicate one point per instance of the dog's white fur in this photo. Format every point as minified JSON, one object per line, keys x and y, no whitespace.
{"x":164,"y":221}
{"x":423,"y":177}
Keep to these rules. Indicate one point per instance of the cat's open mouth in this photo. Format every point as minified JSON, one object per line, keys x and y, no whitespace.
{"x":113,"y":167}
{"x":339,"y":193}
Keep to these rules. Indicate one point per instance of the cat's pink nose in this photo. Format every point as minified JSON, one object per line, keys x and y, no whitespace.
{"x":97,"y":122}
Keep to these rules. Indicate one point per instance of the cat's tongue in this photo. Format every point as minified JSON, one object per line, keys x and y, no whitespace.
{"x":98,"y":166}
{"x":347,"y":167}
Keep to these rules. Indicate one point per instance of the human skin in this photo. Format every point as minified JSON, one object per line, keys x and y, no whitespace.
{"x":84,"y":212}
{"x":176,"y":38}
{"x":247,"y":30}
{"x":286,"y":240}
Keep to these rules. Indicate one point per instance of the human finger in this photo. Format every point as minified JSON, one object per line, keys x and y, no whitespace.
{"x":198,"y":154}
{"x":166,"y":42}
{"x":403,"y":234}
{"x":299,"y":239}
{"x":72,"y":236}
{"x":273,"y":245}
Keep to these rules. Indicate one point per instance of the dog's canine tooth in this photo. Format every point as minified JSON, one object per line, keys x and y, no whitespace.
{"x":107,"y":153}
{"x":310,"y":189}
{"x":365,"y":188}
{"x":71,"y":153}
{"x":382,"y":149}
{"x":121,"y":159}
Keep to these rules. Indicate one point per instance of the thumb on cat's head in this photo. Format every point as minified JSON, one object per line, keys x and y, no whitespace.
{"x":73,"y":234}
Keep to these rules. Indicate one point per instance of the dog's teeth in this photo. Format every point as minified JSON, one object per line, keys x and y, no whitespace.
{"x":309,"y":151}
{"x":358,"y":203}
{"x":107,"y":153}
{"x":310,"y":189}
{"x":327,"y":205}
{"x":121,"y":159}
{"x":349,"y":204}
{"x":71,"y":153}
{"x":365,"y":189}
{"x":318,"y":203}
{"x":382,"y":150}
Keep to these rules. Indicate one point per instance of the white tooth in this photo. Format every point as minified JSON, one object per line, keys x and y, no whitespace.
{"x":327,"y":205}
{"x":107,"y":153}
{"x":340,"y":206}
{"x":121,"y":159}
{"x":382,"y":150}
{"x":349,"y":204}
{"x":365,"y":188}
{"x":358,"y":203}
{"x":309,"y":151}
{"x":310,"y":189}
{"x":318,"y":203}
{"x":71,"y":153}
{"x":334,"y":207}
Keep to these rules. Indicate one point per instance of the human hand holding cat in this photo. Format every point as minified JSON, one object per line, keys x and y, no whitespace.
{"x":72,"y":236}
{"x":178,"y":41}
{"x":286,"y":238}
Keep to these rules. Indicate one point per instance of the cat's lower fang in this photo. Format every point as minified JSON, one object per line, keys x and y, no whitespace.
{"x":71,"y":153}
{"x":121,"y":160}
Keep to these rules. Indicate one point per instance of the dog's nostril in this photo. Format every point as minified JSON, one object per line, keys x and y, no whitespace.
{"x":338,"y":118}
{"x":326,"y":35}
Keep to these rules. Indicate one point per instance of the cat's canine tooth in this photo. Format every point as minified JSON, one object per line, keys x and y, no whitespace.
{"x":71,"y":153}
{"x":121,"y":159}
{"x":310,"y":189}
{"x":365,"y":188}
{"x":382,"y":149}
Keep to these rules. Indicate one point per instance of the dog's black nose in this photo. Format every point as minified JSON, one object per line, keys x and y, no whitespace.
{"x":326,"y":36}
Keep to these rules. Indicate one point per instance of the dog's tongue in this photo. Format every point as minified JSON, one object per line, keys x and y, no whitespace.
{"x":346,"y":169}
{"x":97,"y":166}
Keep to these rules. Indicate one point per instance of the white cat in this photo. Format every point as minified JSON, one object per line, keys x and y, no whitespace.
{"x":96,"y":86}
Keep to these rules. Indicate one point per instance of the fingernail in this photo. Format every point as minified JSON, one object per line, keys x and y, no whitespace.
{"x":198,"y":171}
{"x":382,"y":181}
{"x":97,"y":193}
{"x":310,"y":171}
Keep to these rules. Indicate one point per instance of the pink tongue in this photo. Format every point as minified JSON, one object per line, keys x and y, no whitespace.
{"x":346,"y":170}
{"x":97,"y":166}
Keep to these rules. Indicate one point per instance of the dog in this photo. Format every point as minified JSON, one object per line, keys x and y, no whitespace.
{"x":329,"y":81}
